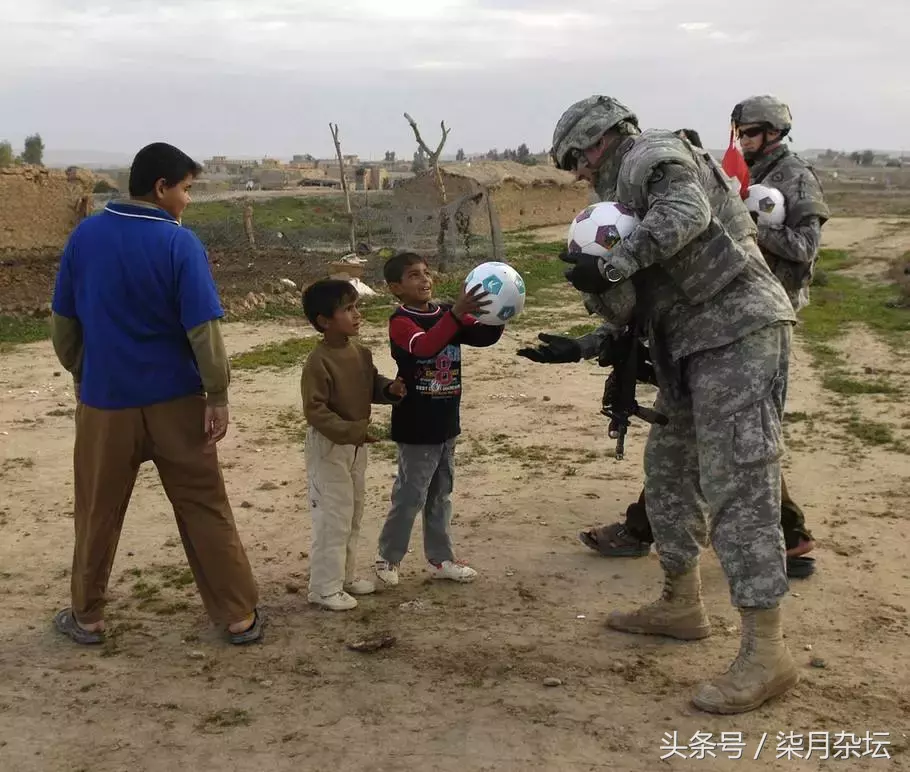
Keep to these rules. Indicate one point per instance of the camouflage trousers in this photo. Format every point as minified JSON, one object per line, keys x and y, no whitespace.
{"x":714,"y":470}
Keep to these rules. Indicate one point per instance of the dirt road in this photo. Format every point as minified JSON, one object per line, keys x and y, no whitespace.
{"x":464,"y":686}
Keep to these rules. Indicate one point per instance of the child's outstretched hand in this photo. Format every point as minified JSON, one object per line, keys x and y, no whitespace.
{"x":470,"y":301}
{"x":398,"y":389}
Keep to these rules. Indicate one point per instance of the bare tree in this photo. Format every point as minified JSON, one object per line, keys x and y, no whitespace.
{"x":344,"y":183}
{"x":433,"y":158}
{"x":248,"y":226}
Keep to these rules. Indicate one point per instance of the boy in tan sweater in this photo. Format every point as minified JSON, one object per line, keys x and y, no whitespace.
{"x":339,"y":384}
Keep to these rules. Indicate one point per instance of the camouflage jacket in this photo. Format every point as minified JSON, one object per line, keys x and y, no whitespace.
{"x":699,"y":277}
{"x":791,"y":249}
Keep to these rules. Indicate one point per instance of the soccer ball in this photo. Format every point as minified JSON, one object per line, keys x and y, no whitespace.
{"x":766,"y":205}
{"x":598,"y":228}
{"x":506,"y":291}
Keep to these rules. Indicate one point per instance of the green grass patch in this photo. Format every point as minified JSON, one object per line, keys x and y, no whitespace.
{"x":145,"y":592}
{"x":842,"y":384}
{"x":15,"y":330}
{"x":378,"y":311}
{"x":844,"y":300}
{"x":282,"y":355}
{"x":870,"y":432}
{"x":839,"y":302}
{"x":284,"y":213}
{"x":177,"y":577}
{"x":536,"y":263}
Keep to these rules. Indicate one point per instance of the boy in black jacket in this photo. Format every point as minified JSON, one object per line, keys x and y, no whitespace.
{"x":426,"y":340}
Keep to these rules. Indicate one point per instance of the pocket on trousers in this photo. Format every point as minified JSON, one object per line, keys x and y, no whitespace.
{"x":757,"y":430}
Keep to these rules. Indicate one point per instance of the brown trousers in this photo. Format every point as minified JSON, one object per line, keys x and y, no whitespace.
{"x":110,"y":446}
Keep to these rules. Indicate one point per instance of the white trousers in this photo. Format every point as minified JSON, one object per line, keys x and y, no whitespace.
{"x":336,"y":475}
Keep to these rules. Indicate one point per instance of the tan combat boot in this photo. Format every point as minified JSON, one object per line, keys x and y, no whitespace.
{"x":679,"y":613}
{"x":763,"y":668}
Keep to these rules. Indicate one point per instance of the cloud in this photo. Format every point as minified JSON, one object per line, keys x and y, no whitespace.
{"x":236,"y":76}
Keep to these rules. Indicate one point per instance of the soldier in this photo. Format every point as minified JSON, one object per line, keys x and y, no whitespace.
{"x":791,"y":250}
{"x":692,"y":280}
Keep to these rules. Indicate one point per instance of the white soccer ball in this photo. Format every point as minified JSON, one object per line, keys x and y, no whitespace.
{"x":767,"y":203}
{"x":598,"y":228}
{"x":506,"y":291}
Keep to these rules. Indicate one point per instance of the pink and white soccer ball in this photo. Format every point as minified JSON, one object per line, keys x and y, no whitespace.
{"x":767,"y":204}
{"x":598,"y":228}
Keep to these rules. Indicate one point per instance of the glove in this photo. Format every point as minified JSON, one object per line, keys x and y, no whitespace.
{"x":585,"y":273}
{"x":557,"y":349}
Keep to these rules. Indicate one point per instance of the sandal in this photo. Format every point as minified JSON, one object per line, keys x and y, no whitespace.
{"x":252,"y":634}
{"x":616,"y":542}
{"x":65,"y":622}
{"x":800,"y":567}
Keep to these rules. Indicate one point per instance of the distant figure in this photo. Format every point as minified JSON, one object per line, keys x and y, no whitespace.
{"x":136,"y":320}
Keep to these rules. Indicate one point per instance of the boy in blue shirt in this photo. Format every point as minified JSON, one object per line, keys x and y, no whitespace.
{"x":136,"y":321}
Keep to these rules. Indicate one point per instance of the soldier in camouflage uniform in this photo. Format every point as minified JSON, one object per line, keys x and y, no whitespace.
{"x":718,"y":327}
{"x":791,"y":251}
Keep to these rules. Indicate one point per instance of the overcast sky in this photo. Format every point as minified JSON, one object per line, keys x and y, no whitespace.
{"x":258,"y":77}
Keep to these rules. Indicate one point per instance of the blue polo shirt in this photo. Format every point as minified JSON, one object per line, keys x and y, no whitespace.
{"x":137,"y":281}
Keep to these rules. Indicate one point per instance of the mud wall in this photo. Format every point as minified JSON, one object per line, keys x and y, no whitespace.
{"x":39,"y":207}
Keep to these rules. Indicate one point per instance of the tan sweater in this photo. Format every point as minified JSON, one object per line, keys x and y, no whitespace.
{"x":339,"y":384}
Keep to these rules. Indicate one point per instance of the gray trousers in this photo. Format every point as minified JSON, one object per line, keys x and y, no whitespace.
{"x":426,"y":475}
{"x":714,"y":471}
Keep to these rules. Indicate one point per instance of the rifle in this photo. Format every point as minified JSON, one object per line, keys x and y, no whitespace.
{"x":619,"y":403}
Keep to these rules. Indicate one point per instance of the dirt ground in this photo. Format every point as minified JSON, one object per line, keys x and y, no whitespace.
{"x":463,"y":686}
{"x":27,"y":283}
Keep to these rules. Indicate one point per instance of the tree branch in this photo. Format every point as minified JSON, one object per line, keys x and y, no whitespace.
{"x":433,"y":156}
{"x":333,"y":127}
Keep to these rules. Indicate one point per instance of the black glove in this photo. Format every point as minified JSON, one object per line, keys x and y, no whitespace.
{"x":557,"y":349}
{"x":585,"y":273}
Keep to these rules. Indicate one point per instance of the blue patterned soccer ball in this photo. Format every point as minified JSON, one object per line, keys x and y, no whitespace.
{"x":506,"y":288}
{"x":598,"y":228}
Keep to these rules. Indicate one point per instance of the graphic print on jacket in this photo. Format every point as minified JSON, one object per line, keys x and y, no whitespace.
{"x":426,"y":346}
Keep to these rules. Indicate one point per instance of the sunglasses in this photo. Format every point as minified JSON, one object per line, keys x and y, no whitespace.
{"x":752,"y":131}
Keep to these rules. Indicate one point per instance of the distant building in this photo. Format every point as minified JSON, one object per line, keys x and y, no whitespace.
{"x":220,"y":164}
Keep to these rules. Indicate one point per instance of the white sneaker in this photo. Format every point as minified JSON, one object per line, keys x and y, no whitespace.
{"x":455,"y":571}
{"x":340,"y":601}
{"x":360,"y":587}
{"x":386,"y":572}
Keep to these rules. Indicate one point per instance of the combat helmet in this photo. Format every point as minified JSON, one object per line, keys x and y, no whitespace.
{"x":765,"y":109}
{"x":583,"y":124}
